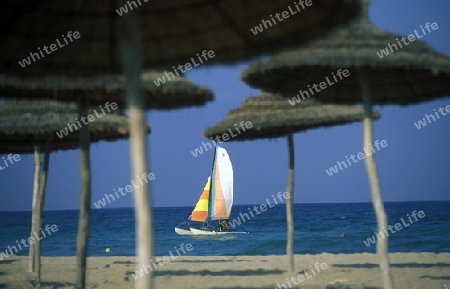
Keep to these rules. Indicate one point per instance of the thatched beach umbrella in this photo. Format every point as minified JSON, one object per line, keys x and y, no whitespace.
{"x":27,"y":123}
{"x":271,"y":116}
{"x":176,"y":93}
{"x":408,"y":71}
{"x":26,"y":126}
{"x":172,"y":32}
{"x":175,"y":32}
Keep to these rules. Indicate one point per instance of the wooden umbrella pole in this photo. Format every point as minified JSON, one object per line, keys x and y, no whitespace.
{"x":131,"y":53}
{"x":85,"y":197}
{"x":290,"y":205}
{"x":40,"y":208}
{"x":34,"y":226}
{"x":377,"y":200}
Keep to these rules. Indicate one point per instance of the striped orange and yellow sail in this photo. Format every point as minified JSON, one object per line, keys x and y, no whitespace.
{"x":200,"y":212}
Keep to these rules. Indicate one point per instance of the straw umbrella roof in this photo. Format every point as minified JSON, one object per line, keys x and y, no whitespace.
{"x":412,"y":74}
{"x":273,"y":116}
{"x":27,"y":125}
{"x":24,"y":124}
{"x":173,"y":31}
{"x":175,"y":93}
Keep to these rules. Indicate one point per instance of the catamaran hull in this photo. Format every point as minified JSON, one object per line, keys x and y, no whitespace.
{"x":180,"y":231}
{"x":213,"y":232}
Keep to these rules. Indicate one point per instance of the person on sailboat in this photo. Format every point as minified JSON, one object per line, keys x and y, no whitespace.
{"x":224,"y":225}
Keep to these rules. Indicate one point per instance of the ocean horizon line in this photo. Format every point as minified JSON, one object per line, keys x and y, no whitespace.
{"x":237,"y":205}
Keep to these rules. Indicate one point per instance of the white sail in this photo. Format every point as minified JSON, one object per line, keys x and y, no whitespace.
{"x":225,"y":174}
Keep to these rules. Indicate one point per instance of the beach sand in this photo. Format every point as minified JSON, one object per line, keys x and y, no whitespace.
{"x":410,"y":270}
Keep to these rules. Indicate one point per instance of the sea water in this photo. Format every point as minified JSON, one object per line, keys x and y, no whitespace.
{"x":332,"y":228}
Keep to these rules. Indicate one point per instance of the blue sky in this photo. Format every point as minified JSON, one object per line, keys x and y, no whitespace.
{"x":414,"y":166}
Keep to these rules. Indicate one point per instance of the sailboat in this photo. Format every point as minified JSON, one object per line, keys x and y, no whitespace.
{"x":216,"y":200}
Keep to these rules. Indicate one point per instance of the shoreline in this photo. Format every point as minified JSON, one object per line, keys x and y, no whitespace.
{"x":355,"y":270}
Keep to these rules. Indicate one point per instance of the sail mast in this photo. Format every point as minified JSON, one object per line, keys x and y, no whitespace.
{"x":212,"y":179}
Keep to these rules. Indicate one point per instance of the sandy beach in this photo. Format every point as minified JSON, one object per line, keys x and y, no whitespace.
{"x":410,"y":270}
